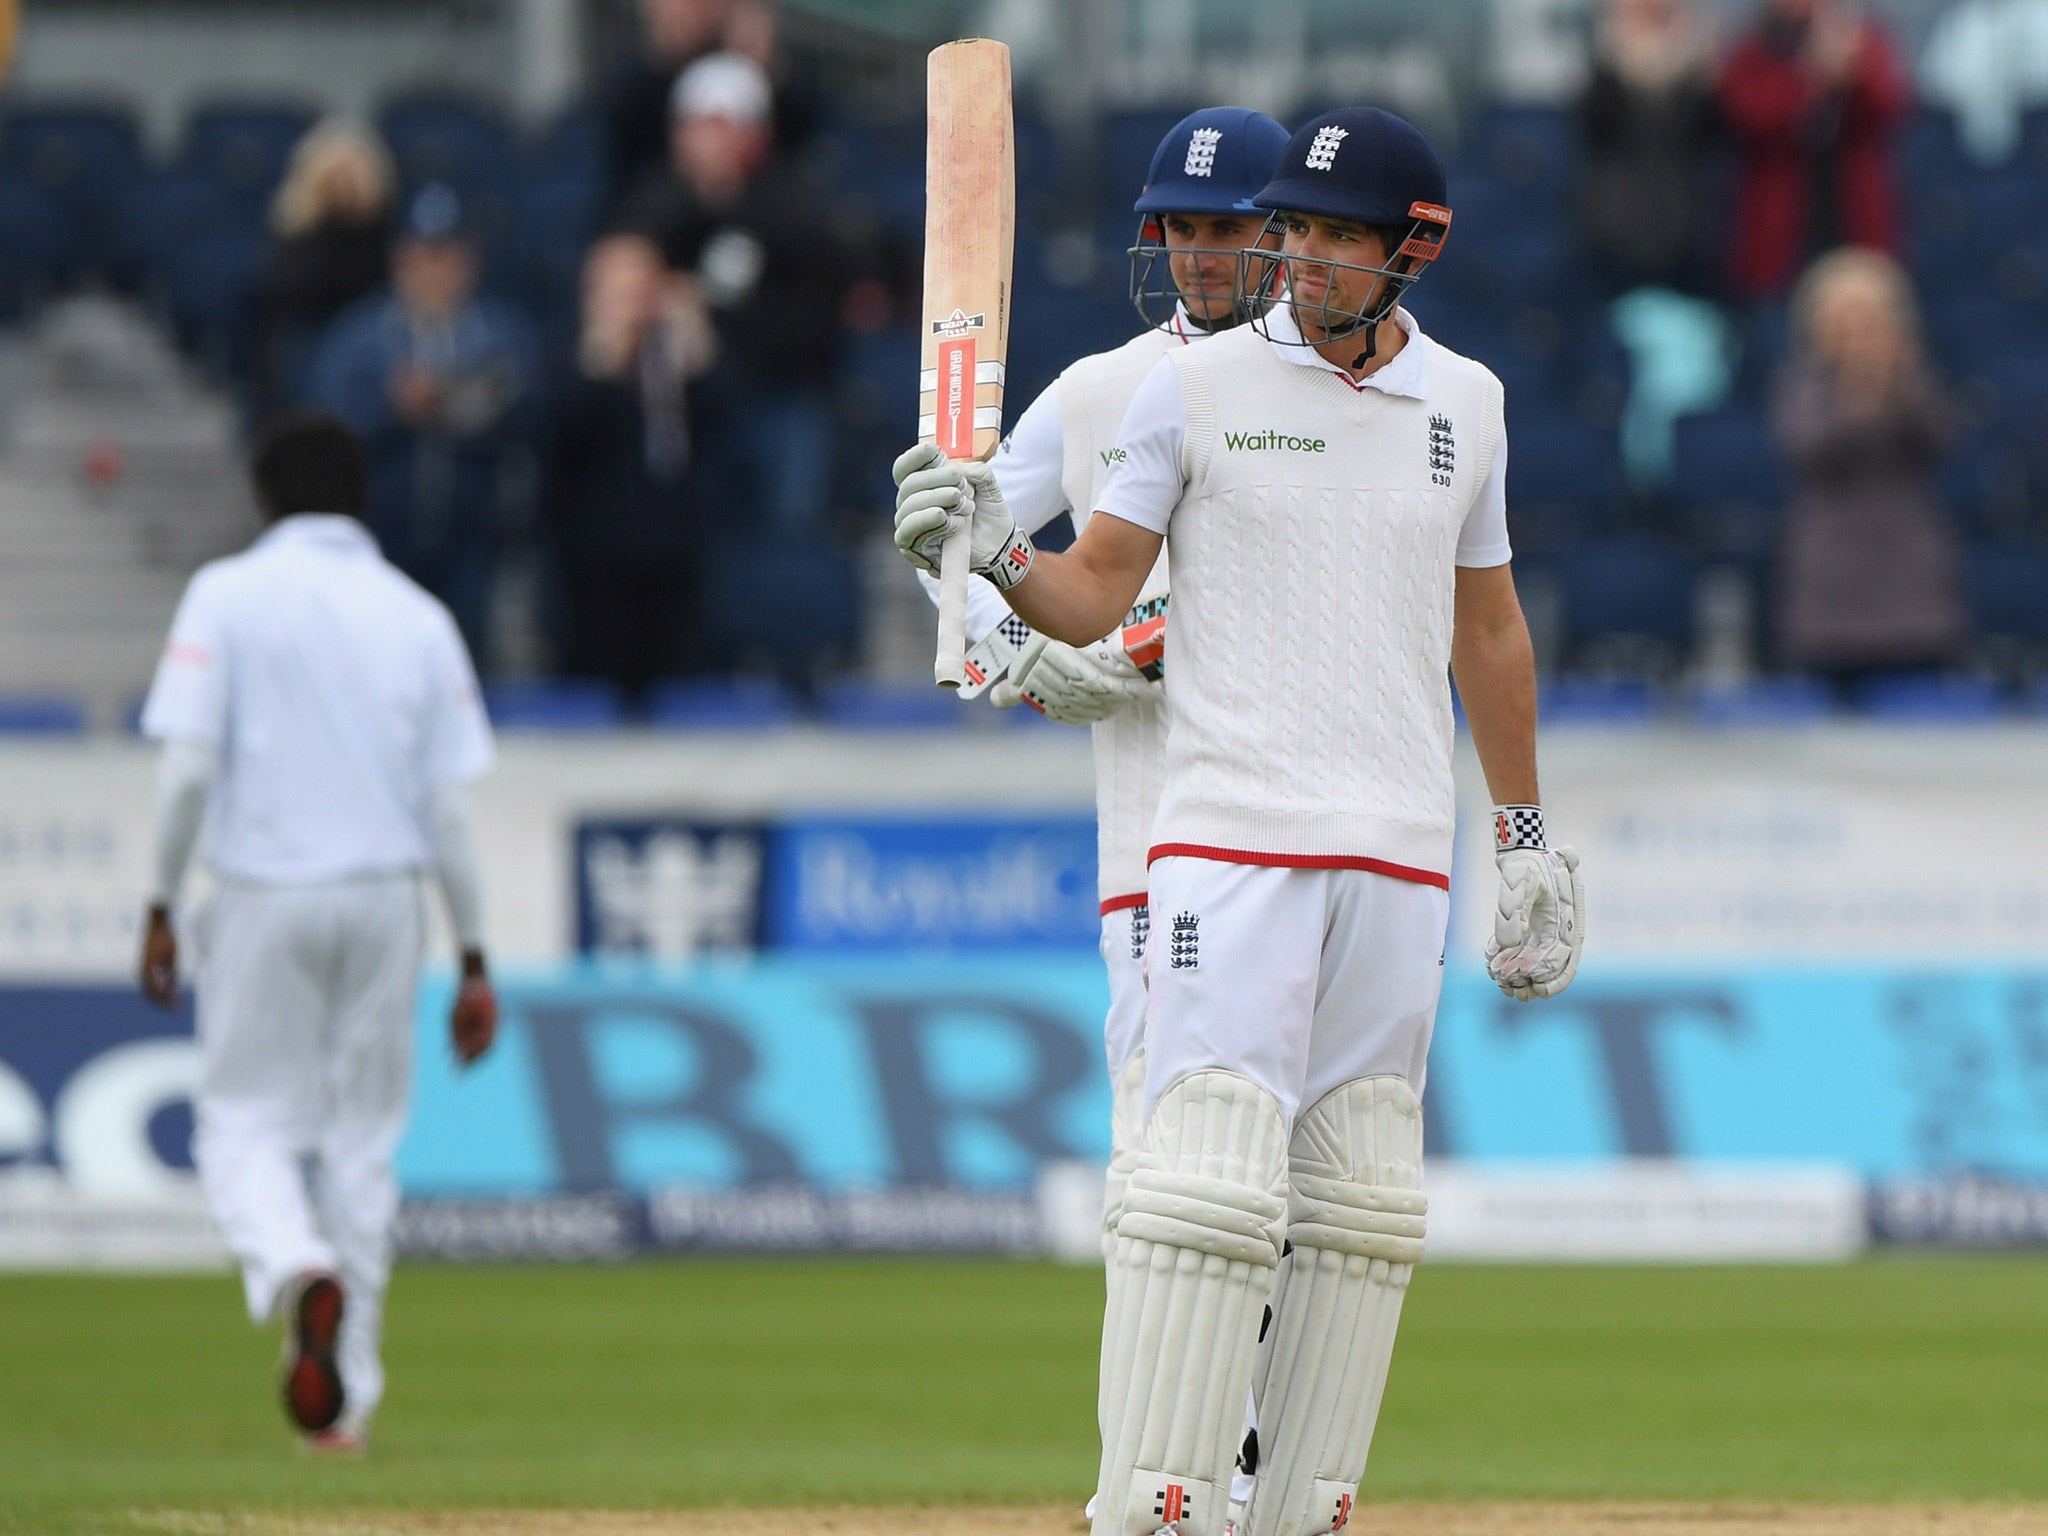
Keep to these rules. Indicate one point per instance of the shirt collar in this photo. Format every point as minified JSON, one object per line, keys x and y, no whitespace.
{"x":325,"y":530}
{"x":1407,"y":375}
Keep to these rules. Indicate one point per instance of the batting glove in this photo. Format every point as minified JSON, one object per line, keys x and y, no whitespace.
{"x":1539,"y":920}
{"x":934,"y":496}
{"x":1075,"y":686}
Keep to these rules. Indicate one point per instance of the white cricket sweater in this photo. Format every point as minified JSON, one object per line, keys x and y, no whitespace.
{"x":1130,"y":746}
{"x":1314,"y":554}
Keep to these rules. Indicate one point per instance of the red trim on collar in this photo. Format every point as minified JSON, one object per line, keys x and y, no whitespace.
{"x":1124,"y":903}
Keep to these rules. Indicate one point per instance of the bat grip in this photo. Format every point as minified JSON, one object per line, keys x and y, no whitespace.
{"x":949,"y":669}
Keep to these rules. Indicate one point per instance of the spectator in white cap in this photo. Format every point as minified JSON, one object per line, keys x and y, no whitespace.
{"x":755,"y":235}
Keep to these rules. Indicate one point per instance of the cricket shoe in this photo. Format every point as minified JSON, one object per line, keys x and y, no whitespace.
{"x":312,"y":1375}
{"x":337,"y":1444}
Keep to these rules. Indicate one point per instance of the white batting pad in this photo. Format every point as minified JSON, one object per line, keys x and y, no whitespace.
{"x":1126,"y":1127}
{"x":1356,"y":1213}
{"x":1196,"y":1247}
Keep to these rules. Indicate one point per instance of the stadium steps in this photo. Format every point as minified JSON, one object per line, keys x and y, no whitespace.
{"x":119,"y":473}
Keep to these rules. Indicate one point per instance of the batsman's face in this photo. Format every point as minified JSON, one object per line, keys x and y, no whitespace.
{"x":1202,"y":253}
{"x":1323,"y":258}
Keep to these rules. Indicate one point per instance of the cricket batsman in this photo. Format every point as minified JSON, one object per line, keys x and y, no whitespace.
{"x":320,"y":725}
{"x":1196,"y":216}
{"x":1333,"y":485}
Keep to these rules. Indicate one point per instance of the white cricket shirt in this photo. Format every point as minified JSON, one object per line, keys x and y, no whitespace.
{"x":1316,"y":522}
{"x":338,"y":695}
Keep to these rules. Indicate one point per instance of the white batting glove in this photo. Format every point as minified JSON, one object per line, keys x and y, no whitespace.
{"x":934,"y":496}
{"x":1075,"y":686}
{"x":1539,"y":920}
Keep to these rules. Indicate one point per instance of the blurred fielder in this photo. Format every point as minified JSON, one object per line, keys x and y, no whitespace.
{"x":320,"y":718}
{"x":1332,"y":482}
{"x":1195,"y":216}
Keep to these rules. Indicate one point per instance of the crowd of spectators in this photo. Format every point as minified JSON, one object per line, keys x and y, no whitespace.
{"x":1703,"y":286}
{"x":1745,"y":213}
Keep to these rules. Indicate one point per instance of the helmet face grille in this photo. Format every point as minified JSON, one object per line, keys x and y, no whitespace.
{"x":1271,"y":272}
{"x":1156,"y":296}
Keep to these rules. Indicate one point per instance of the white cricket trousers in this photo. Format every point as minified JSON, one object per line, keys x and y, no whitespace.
{"x":306,"y":996}
{"x":1299,"y":979}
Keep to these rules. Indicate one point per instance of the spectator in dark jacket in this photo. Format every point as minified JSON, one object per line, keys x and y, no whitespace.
{"x":1868,"y":577}
{"x":1648,"y":122}
{"x":674,"y":34}
{"x":1813,"y":95}
{"x":438,"y":383}
{"x":755,"y":235}
{"x":621,"y":499}
{"x":332,"y":223}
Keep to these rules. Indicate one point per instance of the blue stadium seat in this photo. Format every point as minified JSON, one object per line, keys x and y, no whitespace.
{"x":1933,"y":700}
{"x":1628,"y":602}
{"x":41,"y":715}
{"x":210,"y":287}
{"x":742,"y":703}
{"x":1727,"y":458}
{"x":455,"y":140}
{"x":83,"y":152}
{"x":1531,"y":148}
{"x":2008,"y":592}
{"x":856,"y":704}
{"x":244,"y":147}
{"x":1124,"y":147}
{"x":1760,"y":701}
{"x":569,"y":148}
{"x":796,"y":611}
{"x":1555,"y":459}
{"x":40,"y":246}
{"x":558,"y":704}
{"x":164,"y":214}
{"x":1596,"y":700}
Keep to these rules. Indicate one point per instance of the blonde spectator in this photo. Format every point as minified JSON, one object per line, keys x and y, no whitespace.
{"x":331,"y":228}
{"x":1868,"y":578}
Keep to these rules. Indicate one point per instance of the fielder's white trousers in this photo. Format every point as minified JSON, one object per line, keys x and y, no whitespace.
{"x":306,"y":997}
{"x":1299,"y":979}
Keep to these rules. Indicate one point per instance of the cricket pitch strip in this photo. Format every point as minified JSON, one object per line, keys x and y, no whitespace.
{"x":1517,"y":1519}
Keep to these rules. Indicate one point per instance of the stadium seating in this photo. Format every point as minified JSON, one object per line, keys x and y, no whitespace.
{"x":741,"y":703}
{"x":1628,"y":605}
{"x":856,"y":704}
{"x":41,"y":715}
{"x":41,"y":249}
{"x":244,"y":147}
{"x":564,"y":704}
{"x":1933,"y":700}
{"x":85,"y":154}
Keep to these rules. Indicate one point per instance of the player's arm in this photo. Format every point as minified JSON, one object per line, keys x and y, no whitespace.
{"x":1081,"y":595}
{"x":458,"y":752}
{"x":184,"y":778}
{"x":1539,"y":923}
{"x":1495,"y":668}
{"x":474,"y":1022}
{"x":187,"y":711}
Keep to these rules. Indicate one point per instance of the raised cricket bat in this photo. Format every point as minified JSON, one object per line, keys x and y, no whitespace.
{"x":970,"y":223}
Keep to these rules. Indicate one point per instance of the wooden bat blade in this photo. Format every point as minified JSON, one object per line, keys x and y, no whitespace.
{"x":970,"y":234}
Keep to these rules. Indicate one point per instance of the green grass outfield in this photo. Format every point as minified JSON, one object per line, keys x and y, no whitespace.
{"x":771,"y":1383}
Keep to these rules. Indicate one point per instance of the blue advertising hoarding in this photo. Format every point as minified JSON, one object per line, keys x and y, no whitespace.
{"x":970,"y":1074}
{"x":672,"y":887}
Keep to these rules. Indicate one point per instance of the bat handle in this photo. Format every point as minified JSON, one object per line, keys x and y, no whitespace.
{"x":949,"y":669}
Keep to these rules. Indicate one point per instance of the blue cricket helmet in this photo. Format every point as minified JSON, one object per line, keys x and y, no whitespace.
{"x":1213,"y":161}
{"x":1362,"y":164}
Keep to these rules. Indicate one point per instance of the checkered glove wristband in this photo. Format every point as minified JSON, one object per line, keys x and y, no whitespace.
{"x":1517,"y":826}
{"x":1009,"y":567}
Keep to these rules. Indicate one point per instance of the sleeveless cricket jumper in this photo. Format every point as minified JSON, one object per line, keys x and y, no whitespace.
{"x":1302,"y":848}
